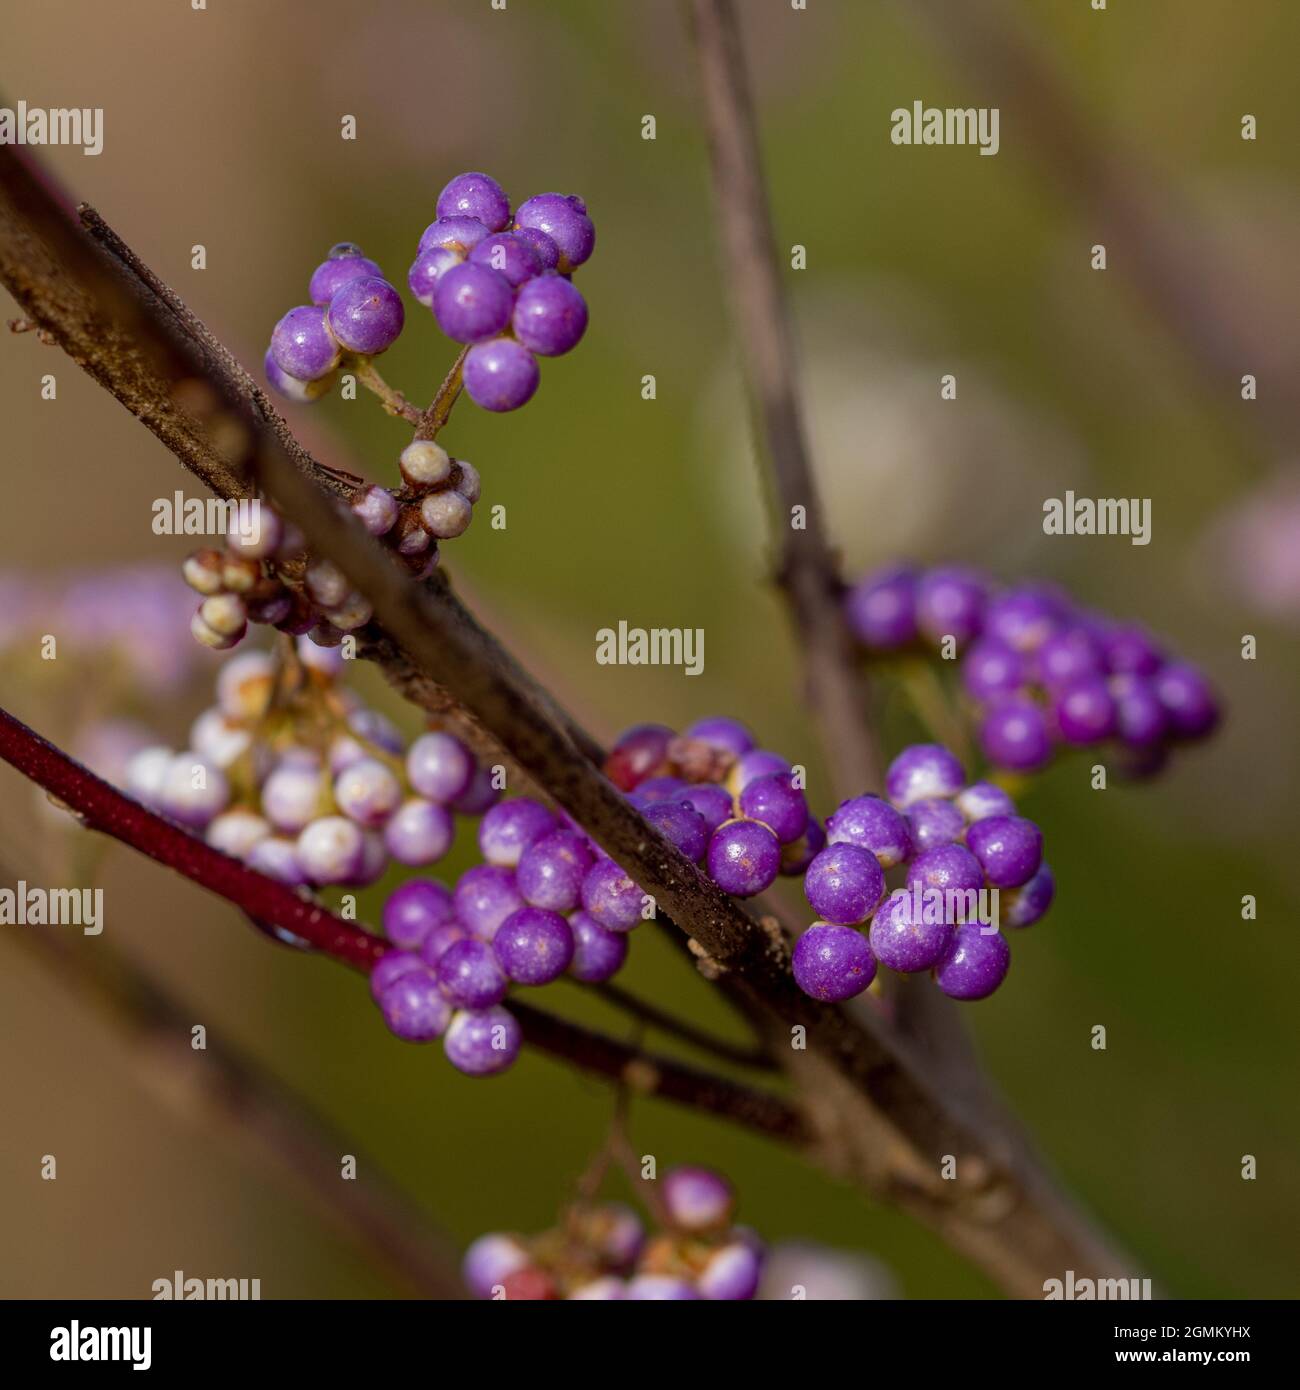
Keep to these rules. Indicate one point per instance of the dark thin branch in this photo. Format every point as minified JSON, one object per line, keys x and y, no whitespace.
{"x":836,"y":685}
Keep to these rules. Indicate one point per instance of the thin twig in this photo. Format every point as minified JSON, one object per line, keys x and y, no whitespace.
{"x":440,"y":407}
{"x":390,"y":398}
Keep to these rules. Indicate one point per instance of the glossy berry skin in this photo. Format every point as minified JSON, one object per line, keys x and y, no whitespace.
{"x":1140,"y":718}
{"x":509,"y":255}
{"x":482,"y":1042}
{"x":547,"y":252}
{"x":729,"y":735}
{"x":420,"y":832}
{"x":304,"y":392}
{"x":610,"y":897}
{"x":681,"y":825}
{"x":563,"y":217}
{"x":1067,"y":655}
{"x":1009,"y":849}
{"x":881,"y":609}
{"x":458,"y":234}
{"x":843,"y":884}
{"x":413,"y":1006}
{"x":743,"y":858}
{"x":598,"y":953}
{"x":697,"y":1199}
{"x":278,"y":859}
{"x":935,"y":821}
{"x":412,"y":911}
{"x":974,"y":964}
{"x":1084,"y":711}
{"x":550,"y":315}
{"x":302,"y":345}
{"x":1129,"y":650}
{"x":367,"y":792}
{"x":921,"y":771}
{"x":982,"y":799}
{"x":732,"y":1273}
{"x":991,"y":669}
{"x":1024,"y":617}
{"x":470,"y":975}
{"x":439,"y":939}
{"x":439,"y":766}
{"x":655,"y":789}
{"x":534,"y":946}
{"x":472,"y":303}
{"x":948,"y":869}
{"x":714,"y":803}
{"x":330,"y":850}
{"x":800,"y":853}
{"x":478,"y":196}
{"x":367,"y":315}
{"x":777,"y":804}
{"x":832,"y":962}
{"x":905,"y":940}
{"x":392,"y":966}
{"x":1013,"y":734}
{"x":950,"y":603}
{"x":510,"y":827}
{"x":552,"y":869}
{"x":1188,"y":700}
{"x":377,"y":509}
{"x":638,"y":753}
{"x":871,"y":823}
{"x":660,"y":1288}
{"x":480,"y":796}
{"x":500,"y":374}
{"x":485,"y":896}
{"x":489,"y":1261}
{"x":427,"y":269}
{"x":758,"y":762}
{"x":333,"y":273}
{"x":1023,"y":906}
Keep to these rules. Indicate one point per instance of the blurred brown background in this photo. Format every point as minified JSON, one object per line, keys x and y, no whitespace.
{"x":222,"y":128}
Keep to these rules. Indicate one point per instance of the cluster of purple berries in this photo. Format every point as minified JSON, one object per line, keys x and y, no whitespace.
{"x":1039,"y":670}
{"x":354,"y":311}
{"x":543,"y":904}
{"x":949,"y":848}
{"x":602,"y":1251}
{"x":502,"y":286}
{"x":296,"y":777}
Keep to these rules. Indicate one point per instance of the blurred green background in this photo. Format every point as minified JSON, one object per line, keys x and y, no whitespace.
{"x":222,"y":128}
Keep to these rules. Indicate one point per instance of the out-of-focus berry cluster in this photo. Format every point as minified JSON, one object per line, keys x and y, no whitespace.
{"x":1039,"y":671}
{"x":603,"y":1251}
{"x":295,"y":776}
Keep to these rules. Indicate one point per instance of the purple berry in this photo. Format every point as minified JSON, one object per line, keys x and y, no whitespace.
{"x":472,"y":302}
{"x":1009,"y":849}
{"x":681,"y":825}
{"x":392,"y":966}
{"x":778,"y":804}
{"x":552,"y":868}
{"x":907,"y":940}
{"x":420,"y":832}
{"x":564,"y":219}
{"x":660,"y":1288}
{"x":974,"y":964}
{"x":508,"y":254}
{"x":935,"y":822}
{"x":304,"y":392}
{"x":881,"y":609}
{"x":534,"y":946}
{"x":485,"y":896}
{"x":1140,"y":718}
{"x":1014,"y":735}
{"x":610,"y":897}
{"x":548,"y":253}
{"x":729,"y":735}
{"x":302,"y":345}
{"x":278,"y":859}
{"x":413,"y":910}
{"x":744,"y":858}
{"x":500,"y":374}
{"x":697,"y":1199}
{"x":598,"y":954}
{"x":873,"y":824}
{"x":655,"y":789}
{"x":1188,"y":700}
{"x":982,"y":799}
{"x":1084,"y":711}
{"x":413,"y":1006}
{"x":377,"y":510}
{"x":440,"y":767}
{"x":331,"y":850}
{"x":480,"y":796}
{"x":458,"y":234}
{"x":950,"y":603}
{"x":843,"y":884}
{"x":637,"y":753}
{"x":478,"y":196}
{"x":510,"y":827}
{"x":800,"y":853}
{"x":440,"y":937}
{"x":550,"y":315}
{"x":1066,"y":656}
{"x":991,"y":668}
{"x":949,"y":869}
{"x":1023,"y":906}
{"x":427,"y":269}
{"x":368,"y":792}
{"x":758,"y":762}
{"x":924,"y":770}
{"x":470,"y":975}
{"x":1023,"y":618}
{"x":833,"y":963}
{"x":1129,"y":650}
{"x":732,"y":1272}
{"x":345,"y":262}
{"x":490,"y":1260}
{"x":714,"y":803}
{"x":481,"y":1042}
{"x":366,"y":315}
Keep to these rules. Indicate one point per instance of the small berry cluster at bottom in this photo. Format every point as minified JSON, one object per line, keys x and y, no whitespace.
{"x":1040,"y":670}
{"x":602,"y":1251}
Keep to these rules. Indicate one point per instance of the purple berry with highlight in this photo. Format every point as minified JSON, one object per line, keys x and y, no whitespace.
{"x":413,"y":910}
{"x":881,"y":609}
{"x":420,"y":832}
{"x":471,"y":976}
{"x":681,"y":825}
{"x":843,"y":884}
{"x":440,"y":767}
{"x":778,"y":804}
{"x":697,"y":1199}
{"x":550,"y":315}
{"x":413,"y":1006}
{"x":345,"y":262}
{"x":947,"y":869}
{"x":598,"y":953}
{"x":974,"y":964}
{"x":510,"y":255}
{"x":510,"y":827}
{"x":714,"y":803}
{"x":1009,"y":849}
{"x":366,"y":315}
{"x":610,"y":897}
{"x":456,"y":234}
{"x":482,"y":1042}
{"x":472,"y":303}
{"x":1014,"y":734}
{"x":563,"y":217}
{"x":935,"y":821}
{"x":552,"y":868}
{"x":991,"y":669}
{"x":427,"y":269}
{"x":485,"y":896}
{"x":871,"y":823}
{"x":1023,"y":906}
{"x":534,"y":946}
{"x":1084,"y":711}
{"x":1188,"y":700}
{"x":982,"y":799}
{"x":924,"y":770}
{"x":907,"y":940}
{"x":302,"y":345}
{"x":478,"y":196}
{"x":744,"y":858}
{"x":833,"y":962}
{"x":500,"y":374}
{"x":950,"y":603}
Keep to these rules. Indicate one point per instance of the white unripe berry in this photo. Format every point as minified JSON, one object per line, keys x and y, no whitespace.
{"x":424,"y":463}
{"x":445,"y":514}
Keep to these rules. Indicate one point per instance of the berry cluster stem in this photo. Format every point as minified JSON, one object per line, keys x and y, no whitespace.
{"x":436,"y":416}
